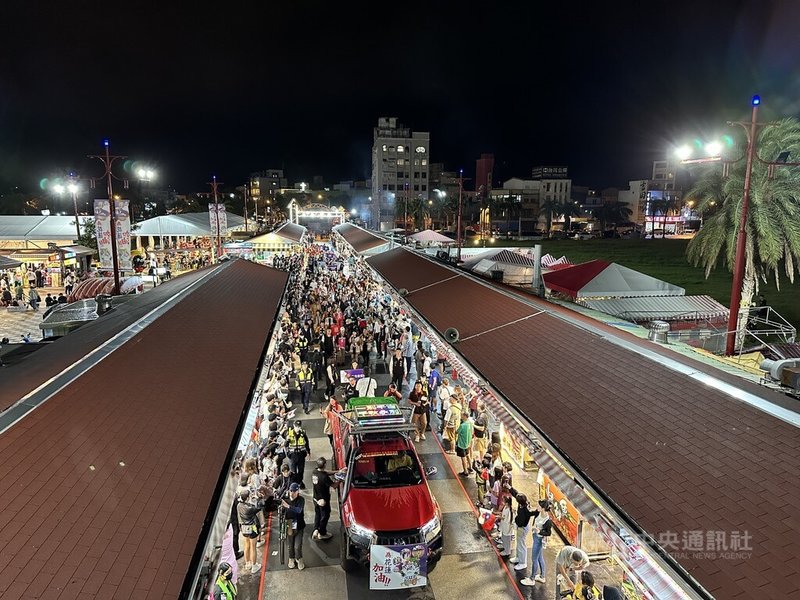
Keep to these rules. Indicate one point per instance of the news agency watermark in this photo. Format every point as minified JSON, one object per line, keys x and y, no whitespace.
{"x":712,"y":544}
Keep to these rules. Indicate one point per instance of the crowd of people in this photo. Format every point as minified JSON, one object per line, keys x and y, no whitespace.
{"x":337,"y":318}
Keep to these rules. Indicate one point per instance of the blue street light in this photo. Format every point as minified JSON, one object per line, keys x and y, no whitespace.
{"x":756,"y":100}
{"x":105,"y":142}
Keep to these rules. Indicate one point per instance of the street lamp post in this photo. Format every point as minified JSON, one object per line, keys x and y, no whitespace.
{"x":144,"y":175}
{"x":458,"y":220}
{"x":715,"y":149}
{"x":108,"y":161}
{"x":741,"y":236}
{"x":72,"y":188}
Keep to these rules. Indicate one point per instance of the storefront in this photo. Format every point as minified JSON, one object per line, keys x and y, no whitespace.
{"x":57,"y":261}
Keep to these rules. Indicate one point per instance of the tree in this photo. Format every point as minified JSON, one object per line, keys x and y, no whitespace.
{"x":612,"y":212}
{"x":569,"y":209}
{"x":549,"y":208}
{"x":88,"y":236}
{"x":773,"y":218}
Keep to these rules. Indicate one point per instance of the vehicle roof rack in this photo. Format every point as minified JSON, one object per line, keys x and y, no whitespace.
{"x":379,"y":416}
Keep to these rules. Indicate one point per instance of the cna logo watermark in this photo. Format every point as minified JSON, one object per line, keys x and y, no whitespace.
{"x":711,"y":544}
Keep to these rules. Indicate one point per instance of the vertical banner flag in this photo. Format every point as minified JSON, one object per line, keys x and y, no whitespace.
{"x":212,"y":218}
{"x":398,"y":567}
{"x":123,"y":222}
{"x":102,"y":224}
{"x":217,"y":214}
{"x":222,"y":215}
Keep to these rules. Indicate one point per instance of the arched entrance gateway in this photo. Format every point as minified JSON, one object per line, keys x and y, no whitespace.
{"x":318,"y":218}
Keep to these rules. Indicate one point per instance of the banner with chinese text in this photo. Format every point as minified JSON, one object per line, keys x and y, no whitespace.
{"x":102,"y":225}
{"x":123,"y":222}
{"x":398,"y":567}
{"x":217,"y":215}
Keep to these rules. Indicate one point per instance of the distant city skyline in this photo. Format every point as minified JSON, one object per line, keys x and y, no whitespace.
{"x":605,"y":90}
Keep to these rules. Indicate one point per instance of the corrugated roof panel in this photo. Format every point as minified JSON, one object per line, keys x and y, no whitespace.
{"x":662,"y":308}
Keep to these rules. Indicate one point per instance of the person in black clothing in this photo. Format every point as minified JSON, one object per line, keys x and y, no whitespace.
{"x":398,"y":369}
{"x":327,"y":344}
{"x":295,"y":508}
{"x":248,"y":523}
{"x":233,"y":521}
{"x":350,"y":391}
{"x":282,"y":481}
{"x":323,"y":482}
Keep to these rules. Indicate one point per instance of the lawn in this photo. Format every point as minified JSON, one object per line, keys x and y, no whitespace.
{"x":666,"y":259}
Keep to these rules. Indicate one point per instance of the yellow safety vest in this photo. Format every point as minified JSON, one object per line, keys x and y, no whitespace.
{"x":296,"y":441}
{"x":228,"y":587}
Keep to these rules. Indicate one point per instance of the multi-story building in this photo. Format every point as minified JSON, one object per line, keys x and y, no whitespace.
{"x":400,"y":168}
{"x":656,"y":203}
{"x":484,"y":168}
{"x":265,"y":184}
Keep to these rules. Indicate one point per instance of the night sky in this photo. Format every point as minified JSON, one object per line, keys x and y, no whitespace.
{"x":605,"y":89}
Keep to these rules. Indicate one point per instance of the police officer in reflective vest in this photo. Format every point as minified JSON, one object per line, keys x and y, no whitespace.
{"x":301,"y":347}
{"x":297,"y":448}
{"x":305,"y":383}
{"x":224,"y":588}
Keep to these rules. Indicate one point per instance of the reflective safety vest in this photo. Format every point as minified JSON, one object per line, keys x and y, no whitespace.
{"x":304,"y":377}
{"x":301,"y":343}
{"x":228,"y":587}
{"x":297,"y":441}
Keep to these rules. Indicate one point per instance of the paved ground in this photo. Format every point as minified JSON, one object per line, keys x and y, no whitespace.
{"x":470,"y":565}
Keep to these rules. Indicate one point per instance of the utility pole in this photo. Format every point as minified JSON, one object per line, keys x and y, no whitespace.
{"x":214,"y":184}
{"x":245,"y":207}
{"x":458,"y":225}
{"x":108,"y":161}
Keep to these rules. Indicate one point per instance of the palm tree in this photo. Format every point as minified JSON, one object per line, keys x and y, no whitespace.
{"x":612,"y":212}
{"x":773,"y":218}
{"x":569,"y":209}
{"x":549,"y":208}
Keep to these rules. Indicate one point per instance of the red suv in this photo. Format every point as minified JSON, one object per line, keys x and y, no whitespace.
{"x":385,"y":499}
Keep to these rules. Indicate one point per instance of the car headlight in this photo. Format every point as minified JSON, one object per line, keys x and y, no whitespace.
{"x":360,"y":535}
{"x":431,"y":529}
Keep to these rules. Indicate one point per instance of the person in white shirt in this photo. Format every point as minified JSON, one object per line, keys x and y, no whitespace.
{"x":367,"y":385}
{"x":443,"y":394}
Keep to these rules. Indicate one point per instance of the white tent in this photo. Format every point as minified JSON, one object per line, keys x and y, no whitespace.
{"x":186,"y":224}
{"x":431,"y":237}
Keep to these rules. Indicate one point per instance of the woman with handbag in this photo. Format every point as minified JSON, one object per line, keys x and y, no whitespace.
{"x":248,"y":525}
{"x":542,"y":529}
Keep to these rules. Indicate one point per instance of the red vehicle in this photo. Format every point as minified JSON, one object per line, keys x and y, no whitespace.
{"x":385,"y":499}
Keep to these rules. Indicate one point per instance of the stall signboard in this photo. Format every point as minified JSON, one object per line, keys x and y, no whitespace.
{"x":102,"y":225}
{"x":122,"y":216}
{"x":565,"y":515}
{"x":398,"y":567}
{"x":346,"y":374}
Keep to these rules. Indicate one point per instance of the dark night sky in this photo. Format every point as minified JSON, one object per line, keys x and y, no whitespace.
{"x":242,"y":87}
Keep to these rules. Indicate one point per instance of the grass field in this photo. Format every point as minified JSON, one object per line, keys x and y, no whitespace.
{"x":666,"y":259}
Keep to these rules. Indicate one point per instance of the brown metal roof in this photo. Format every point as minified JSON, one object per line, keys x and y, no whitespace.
{"x":360,"y":239}
{"x":21,"y":378}
{"x":673,"y":454}
{"x":291,"y":231}
{"x":167,"y":404}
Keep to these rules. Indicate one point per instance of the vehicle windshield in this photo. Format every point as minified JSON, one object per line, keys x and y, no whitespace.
{"x":393,"y":469}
